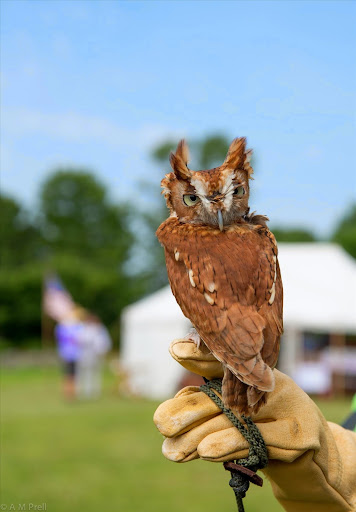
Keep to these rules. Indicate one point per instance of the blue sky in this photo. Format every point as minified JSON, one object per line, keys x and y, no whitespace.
{"x":97,"y":84}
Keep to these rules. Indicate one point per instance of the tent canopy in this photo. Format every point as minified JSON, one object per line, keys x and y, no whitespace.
{"x":319,"y":283}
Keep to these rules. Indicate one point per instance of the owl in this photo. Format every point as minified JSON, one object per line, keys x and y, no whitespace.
{"x":223,"y":270}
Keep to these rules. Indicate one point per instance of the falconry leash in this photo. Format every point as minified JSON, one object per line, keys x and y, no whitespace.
{"x":243,"y":471}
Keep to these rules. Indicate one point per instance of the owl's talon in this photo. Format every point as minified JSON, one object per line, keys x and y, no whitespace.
{"x":194,"y":337}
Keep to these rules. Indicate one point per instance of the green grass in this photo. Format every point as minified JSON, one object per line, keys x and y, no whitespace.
{"x":104,"y":455}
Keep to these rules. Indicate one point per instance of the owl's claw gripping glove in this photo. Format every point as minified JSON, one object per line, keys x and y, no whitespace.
{"x":312,"y":462}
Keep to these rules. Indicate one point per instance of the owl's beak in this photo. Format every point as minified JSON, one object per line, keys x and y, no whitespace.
{"x":220,"y":220}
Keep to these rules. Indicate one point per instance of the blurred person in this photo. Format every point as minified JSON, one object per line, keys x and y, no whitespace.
{"x":67,"y":334}
{"x":94,"y":342}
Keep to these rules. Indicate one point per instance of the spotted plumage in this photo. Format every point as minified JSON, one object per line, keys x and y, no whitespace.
{"x":223,"y":269}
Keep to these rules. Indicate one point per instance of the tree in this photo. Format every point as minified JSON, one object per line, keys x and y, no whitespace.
{"x":20,"y":238}
{"x":78,"y":219}
{"x":20,"y":281}
{"x":345,"y":233}
{"x":89,"y":242}
{"x":212,"y":151}
{"x":20,"y":304}
{"x":293,"y":235}
{"x":161,"y":152}
{"x":82,"y":236}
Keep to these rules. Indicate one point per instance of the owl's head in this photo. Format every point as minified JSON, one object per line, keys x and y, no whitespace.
{"x":216,"y":197}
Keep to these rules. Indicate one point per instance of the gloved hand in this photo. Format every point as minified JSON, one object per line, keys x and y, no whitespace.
{"x":312,"y":462}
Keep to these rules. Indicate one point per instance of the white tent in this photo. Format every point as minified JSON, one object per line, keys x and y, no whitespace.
{"x":148,"y":327}
{"x":319,"y":283}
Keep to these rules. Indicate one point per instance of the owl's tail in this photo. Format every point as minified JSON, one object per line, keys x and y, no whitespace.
{"x":239,"y":396}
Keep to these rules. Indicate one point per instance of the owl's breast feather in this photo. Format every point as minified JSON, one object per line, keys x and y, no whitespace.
{"x":174,"y":235}
{"x":240,"y":262}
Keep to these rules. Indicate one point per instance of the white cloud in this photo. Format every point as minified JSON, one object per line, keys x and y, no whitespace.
{"x":75,"y":127}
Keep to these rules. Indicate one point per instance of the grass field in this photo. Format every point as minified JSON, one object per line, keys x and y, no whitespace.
{"x":104,"y":455}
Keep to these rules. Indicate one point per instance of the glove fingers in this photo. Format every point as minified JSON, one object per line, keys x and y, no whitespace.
{"x":197,"y":360}
{"x":285,"y":441}
{"x":223,"y":445}
{"x":184,"y":412}
{"x":184,"y":447}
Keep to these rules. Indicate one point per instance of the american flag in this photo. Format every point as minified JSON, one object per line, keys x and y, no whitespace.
{"x":57,"y":301}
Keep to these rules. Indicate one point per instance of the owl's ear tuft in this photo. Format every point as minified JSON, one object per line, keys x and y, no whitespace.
{"x":248,"y":155}
{"x":166,"y":190}
{"x":183,"y":151}
{"x":179,"y":161}
{"x":247,"y":164}
{"x":236,"y":155}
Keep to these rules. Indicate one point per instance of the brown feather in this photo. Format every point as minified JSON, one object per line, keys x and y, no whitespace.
{"x":235,"y":157}
{"x":179,"y":161}
{"x":234,"y":392}
{"x":182,"y":151}
{"x":247,"y":165}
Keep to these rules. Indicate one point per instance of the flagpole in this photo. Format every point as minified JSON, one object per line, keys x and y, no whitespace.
{"x":56,"y":305}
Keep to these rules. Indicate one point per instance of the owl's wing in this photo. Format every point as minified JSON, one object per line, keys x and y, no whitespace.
{"x":223,"y":283}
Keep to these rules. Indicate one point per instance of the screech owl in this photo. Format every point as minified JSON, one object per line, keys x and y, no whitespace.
{"x":223,"y":270}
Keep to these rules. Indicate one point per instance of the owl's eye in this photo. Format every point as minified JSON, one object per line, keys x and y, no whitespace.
{"x":239,"y":191}
{"x":190,"y":199}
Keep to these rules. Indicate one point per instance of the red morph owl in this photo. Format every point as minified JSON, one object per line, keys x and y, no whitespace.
{"x":223,"y":270}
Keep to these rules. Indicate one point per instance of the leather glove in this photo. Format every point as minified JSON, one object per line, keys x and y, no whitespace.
{"x":312,"y":462}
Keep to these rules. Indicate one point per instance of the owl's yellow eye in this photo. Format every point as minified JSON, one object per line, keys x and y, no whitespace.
{"x":190,"y":199}
{"x":239,"y":191}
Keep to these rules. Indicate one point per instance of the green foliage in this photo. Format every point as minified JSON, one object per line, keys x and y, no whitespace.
{"x":213,"y":150}
{"x":99,"y":288}
{"x":20,"y":239}
{"x":293,"y":235}
{"x":162,"y":151}
{"x":154,"y":275}
{"x":78,"y":219}
{"x":20,"y":303}
{"x":82,"y":237}
{"x":345,"y":233}
{"x":89,"y":241}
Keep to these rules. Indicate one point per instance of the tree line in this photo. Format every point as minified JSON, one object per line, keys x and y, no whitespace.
{"x":104,"y":251}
